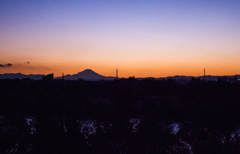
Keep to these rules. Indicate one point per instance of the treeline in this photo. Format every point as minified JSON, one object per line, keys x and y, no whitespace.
{"x":125,"y":97}
{"x":208,"y":114}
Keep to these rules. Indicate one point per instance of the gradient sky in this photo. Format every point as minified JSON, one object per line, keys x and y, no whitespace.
{"x":141,"y":38}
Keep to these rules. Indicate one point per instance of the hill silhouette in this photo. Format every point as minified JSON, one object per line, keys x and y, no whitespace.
{"x":21,"y":76}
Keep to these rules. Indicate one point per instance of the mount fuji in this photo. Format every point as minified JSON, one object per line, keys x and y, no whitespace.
{"x":87,"y":74}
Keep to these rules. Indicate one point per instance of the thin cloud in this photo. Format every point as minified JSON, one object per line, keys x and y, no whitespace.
{"x":16,"y":64}
{"x":6,"y":65}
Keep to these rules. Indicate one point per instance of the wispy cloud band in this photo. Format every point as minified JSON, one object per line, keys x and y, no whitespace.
{"x":6,"y":65}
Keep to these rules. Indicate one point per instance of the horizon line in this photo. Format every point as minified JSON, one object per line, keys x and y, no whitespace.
{"x":128,"y":76}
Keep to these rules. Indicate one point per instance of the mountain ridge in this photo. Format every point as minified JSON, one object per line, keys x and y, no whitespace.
{"x":21,"y":76}
{"x":90,"y":75}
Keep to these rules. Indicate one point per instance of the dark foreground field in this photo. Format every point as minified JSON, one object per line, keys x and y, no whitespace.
{"x":121,"y":116}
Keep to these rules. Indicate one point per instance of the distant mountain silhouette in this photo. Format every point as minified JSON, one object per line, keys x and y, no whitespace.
{"x":20,"y":76}
{"x":207,"y":77}
{"x":90,"y":75}
{"x":87,"y":74}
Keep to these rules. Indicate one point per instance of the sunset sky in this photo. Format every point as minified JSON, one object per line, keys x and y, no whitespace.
{"x":141,"y":38}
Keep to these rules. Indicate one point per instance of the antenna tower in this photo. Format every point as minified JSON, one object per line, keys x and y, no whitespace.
{"x":116,"y":73}
{"x":204,"y":73}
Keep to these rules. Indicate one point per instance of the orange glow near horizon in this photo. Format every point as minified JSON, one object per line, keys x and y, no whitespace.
{"x":143,"y":65}
{"x":157,"y":62}
{"x":124,"y":70}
